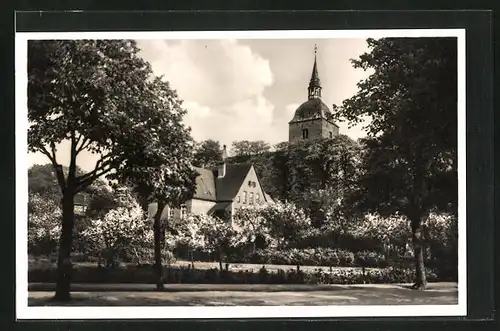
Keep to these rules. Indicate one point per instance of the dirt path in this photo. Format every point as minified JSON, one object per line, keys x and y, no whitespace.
{"x":336,"y":295}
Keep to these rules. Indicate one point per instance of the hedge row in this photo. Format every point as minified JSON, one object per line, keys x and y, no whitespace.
{"x":145,"y":274}
{"x":318,"y":257}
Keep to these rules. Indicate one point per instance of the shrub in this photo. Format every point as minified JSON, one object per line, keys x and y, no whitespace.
{"x":44,"y":224}
{"x":144,"y":274}
{"x":120,"y":233}
{"x":370,"y":259}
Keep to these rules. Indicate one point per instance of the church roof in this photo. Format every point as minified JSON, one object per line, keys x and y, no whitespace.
{"x":315,"y":82}
{"x":313,"y":108}
{"x":209,"y":187}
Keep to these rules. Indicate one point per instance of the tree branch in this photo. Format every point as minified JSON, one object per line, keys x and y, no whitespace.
{"x":84,"y":183}
{"x":85,"y":143}
{"x":100,"y":165}
{"x":57,"y":167}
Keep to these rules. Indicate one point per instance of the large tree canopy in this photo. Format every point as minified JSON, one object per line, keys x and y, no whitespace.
{"x":409,"y":166}
{"x":207,"y":153}
{"x":246,"y":148}
{"x":102,"y":97}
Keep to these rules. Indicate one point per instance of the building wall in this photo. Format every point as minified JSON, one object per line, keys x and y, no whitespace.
{"x":193,"y":206}
{"x":199,"y":207}
{"x":318,"y":128}
{"x":250,"y":189}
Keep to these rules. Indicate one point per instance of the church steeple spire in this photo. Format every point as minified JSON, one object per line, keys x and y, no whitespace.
{"x":314,"y":89}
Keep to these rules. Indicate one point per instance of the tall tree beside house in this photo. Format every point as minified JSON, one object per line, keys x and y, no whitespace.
{"x":103,"y":98}
{"x":162,"y":174}
{"x":160,"y":168}
{"x":409,"y":166}
{"x":207,"y":154}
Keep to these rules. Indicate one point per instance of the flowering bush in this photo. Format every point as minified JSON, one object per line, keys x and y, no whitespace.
{"x":279,"y":224}
{"x":206,"y":233}
{"x":44,"y":224}
{"x":123,"y":231}
{"x":252,"y":228}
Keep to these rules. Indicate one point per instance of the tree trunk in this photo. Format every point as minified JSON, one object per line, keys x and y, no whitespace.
{"x":157,"y":237}
{"x":64,"y":259}
{"x":420,"y":278}
{"x":220,"y":260}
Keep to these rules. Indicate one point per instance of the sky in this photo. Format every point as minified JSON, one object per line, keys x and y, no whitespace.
{"x":246,"y":89}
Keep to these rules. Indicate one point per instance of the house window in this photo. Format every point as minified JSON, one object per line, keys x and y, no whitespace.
{"x":251,"y":198}
{"x":183,"y":211}
{"x":331,"y":134}
{"x":244,"y":197}
{"x":238,"y":199}
{"x":305,"y":134}
{"x":257,"y":197}
{"x":170,"y":212}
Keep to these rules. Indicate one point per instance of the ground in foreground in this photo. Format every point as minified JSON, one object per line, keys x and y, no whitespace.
{"x":254,"y":295}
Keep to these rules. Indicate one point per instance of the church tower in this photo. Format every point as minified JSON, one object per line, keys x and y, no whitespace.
{"x":313,"y":118}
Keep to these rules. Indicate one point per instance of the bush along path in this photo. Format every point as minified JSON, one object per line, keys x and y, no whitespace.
{"x":144,"y":274}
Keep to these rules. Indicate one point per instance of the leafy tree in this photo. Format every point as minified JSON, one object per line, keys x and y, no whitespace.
{"x":321,"y":164}
{"x":251,"y":227}
{"x":245,"y":147}
{"x":101,"y":96}
{"x":409,"y":167}
{"x":279,"y":224}
{"x":219,"y":236}
{"x":160,"y":166}
{"x":207,"y":154}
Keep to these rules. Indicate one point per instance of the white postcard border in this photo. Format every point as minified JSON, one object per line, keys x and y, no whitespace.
{"x":23,"y":311}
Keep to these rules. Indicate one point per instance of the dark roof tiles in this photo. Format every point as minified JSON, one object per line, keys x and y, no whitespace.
{"x":228,"y":186}
{"x":210,"y":187}
{"x":205,"y":185}
{"x":312,"y":109}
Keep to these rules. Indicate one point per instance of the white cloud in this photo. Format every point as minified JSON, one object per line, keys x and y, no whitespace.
{"x":222,"y":84}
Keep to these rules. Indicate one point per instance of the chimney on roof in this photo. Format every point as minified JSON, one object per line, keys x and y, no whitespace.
{"x":221,"y":169}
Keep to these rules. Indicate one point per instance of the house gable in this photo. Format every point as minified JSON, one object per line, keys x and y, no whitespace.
{"x":251,"y":189}
{"x":227,"y":187}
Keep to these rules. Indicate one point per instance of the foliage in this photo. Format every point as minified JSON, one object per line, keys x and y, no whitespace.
{"x":286,"y":221}
{"x":207,"y":153}
{"x":279,"y":224}
{"x":142,"y":274}
{"x":308,"y":257}
{"x":252,"y":228}
{"x":103,"y":98}
{"x":42,"y":180}
{"x":121,"y":230}
{"x":44,"y":224}
{"x":246,"y":148}
{"x":409,"y":165}
{"x":202,"y":232}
